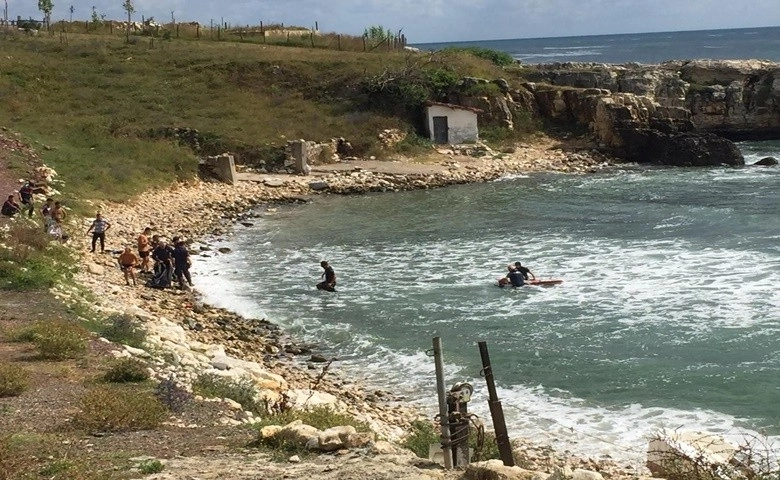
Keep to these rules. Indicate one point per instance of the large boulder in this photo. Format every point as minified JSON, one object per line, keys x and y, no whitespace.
{"x":767,"y":162}
{"x":683,"y":149}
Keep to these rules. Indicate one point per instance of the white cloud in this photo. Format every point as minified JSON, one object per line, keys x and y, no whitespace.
{"x":448,"y":20}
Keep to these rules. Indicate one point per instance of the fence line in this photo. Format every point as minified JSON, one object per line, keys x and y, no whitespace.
{"x":276,"y":34}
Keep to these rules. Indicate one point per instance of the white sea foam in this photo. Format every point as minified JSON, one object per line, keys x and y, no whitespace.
{"x":664,"y":293}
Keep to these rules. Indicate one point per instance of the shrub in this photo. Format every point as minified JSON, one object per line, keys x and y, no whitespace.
{"x":12,"y":465}
{"x":414,"y":144}
{"x":320,"y":417}
{"x":497,"y":57}
{"x":149,"y":467}
{"x":13,"y":380}
{"x":32,"y":261}
{"x":483,"y":445}
{"x":127,"y":370}
{"x":60,"y":340}
{"x":172,"y":395}
{"x":119,"y":408}
{"x":423,"y":435}
{"x":123,"y":329}
{"x":214,"y":386}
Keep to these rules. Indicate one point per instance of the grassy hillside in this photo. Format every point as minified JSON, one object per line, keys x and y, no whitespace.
{"x":94,"y":101}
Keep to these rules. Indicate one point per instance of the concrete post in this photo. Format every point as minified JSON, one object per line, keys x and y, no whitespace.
{"x":225,"y":168}
{"x":300,"y":154}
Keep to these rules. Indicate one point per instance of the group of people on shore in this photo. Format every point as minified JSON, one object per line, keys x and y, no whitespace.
{"x":171,"y":262}
{"x":52,"y":212}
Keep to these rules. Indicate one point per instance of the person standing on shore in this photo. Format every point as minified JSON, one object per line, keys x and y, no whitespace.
{"x":26,"y":198}
{"x":99,"y":228}
{"x":145,"y":250}
{"x":329,"y":283}
{"x":46,"y":214}
{"x":127,"y":262}
{"x":58,"y":214}
{"x":181,"y":262}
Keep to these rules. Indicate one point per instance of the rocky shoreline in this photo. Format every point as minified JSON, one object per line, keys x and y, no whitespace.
{"x":188,"y":337}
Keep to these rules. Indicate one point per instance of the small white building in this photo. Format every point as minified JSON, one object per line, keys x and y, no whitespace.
{"x":451,"y":124}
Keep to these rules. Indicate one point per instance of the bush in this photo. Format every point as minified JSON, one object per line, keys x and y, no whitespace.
{"x":320,"y":417}
{"x":13,"y":380}
{"x":119,"y":408}
{"x":59,"y":340}
{"x":214,"y":386}
{"x":497,"y":57}
{"x":32,"y":261}
{"x":126,"y":371}
{"x":149,"y":467}
{"x":123,"y":329}
{"x":12,"y":465}
{"x":172,"y":395}
{"x":423,"y":435}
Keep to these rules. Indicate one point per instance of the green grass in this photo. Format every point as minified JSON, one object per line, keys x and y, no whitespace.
{"x":31,"y":260}
{"x":119,"y":408}
{"x":95,"y":100}
{"x":13,"y":380}
{"x":214,"y":386}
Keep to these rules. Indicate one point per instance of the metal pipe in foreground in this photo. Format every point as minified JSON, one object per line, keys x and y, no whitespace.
{"x":443,"y":412}
{"x":496,"y":410}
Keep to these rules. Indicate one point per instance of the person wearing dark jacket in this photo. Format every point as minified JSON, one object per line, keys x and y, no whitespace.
{"x":524,"y":271}
{"x":181,"y":262}
{"x":10,"y":207}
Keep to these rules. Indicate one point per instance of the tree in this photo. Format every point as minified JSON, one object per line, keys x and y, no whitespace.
{"x":129,"y":8}
{"x":46,"y":6}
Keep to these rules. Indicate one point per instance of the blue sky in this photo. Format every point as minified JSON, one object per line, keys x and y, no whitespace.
{"x":451,"y":20}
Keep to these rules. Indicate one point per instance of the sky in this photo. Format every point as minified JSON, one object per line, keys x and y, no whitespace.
{"x":426,"y":21}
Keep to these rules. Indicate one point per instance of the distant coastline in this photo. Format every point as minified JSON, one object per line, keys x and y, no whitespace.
{"x":654,"y":47}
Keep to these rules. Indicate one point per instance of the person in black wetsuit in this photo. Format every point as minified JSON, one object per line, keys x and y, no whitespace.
{"x":524,"y":271}
{"x":163,"y":267}
{"x":514,"y":278}
{"x":181,"y":262}
{"x":329,"y":283}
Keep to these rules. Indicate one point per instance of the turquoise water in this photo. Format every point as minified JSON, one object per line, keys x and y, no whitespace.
{"x":669,"y":315}
{"x":735,"y":43}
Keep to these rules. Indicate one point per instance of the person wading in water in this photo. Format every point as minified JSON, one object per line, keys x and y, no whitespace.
{"x":329,"y":283}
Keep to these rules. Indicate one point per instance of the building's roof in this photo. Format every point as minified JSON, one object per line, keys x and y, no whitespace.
{"x":453,"y":106}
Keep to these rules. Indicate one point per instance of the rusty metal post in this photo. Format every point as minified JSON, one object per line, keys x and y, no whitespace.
{"x":460,"y":427}
{"x":443,"y":412}
{"x":496,"y":410}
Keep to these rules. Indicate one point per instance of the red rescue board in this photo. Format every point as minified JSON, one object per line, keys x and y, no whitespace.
{"x":544,"y":283}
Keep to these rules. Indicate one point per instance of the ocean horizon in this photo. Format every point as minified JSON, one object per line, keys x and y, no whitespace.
{"x":649,"y":47}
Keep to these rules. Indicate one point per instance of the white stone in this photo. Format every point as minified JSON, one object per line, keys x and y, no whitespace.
{"x":137,"y":352}
{"x":580,"y":474}
{"x":95,"y":269}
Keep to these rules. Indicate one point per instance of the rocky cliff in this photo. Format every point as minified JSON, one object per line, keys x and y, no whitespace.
{"x":677,"y":113}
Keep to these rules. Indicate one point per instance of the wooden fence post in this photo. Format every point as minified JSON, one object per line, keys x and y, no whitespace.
{"x":197,"y":31}
{"x":339,"y":37}
{"x":86,"y":25}
{"x":219,"y":33}
{"x":177,"y":31}
{"x":364,"y":44}
{"x":311,"y":37}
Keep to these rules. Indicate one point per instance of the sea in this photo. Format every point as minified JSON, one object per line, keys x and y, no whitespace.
{"x":649,"y":48}
{"x":668,"y":317}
